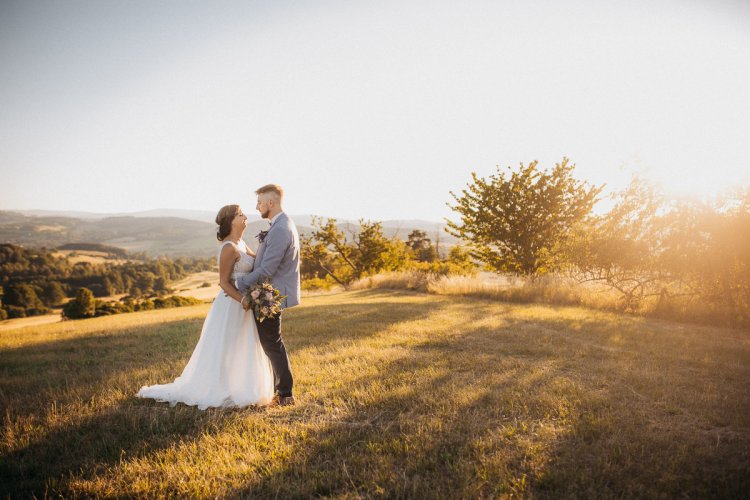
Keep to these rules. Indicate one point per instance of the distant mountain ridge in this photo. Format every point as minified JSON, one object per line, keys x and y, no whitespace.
{"x":207,"y":216}
{"x":199,"y":215}
{"x":162,"y":231}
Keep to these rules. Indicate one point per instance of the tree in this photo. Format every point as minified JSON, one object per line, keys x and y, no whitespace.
{"x":82,"y":306}
{"x":24,"y":296}
{"x":460,"y":261}
{"x":669,"y":254}
{"x":622,"y":248}
{"x":517,"y":222}
{"x":346,"y":259}
{"x":421,"y":245}
{"x":3,"y":314}
{"x":53,"y":293}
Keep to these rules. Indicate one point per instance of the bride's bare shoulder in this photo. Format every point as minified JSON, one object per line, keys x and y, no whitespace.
{"x":229,"y":248}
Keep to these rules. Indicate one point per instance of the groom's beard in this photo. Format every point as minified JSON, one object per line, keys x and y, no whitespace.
{"x":264,"y":214}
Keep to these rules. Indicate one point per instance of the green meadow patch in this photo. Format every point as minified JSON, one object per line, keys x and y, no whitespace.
{"x":399,"y":394}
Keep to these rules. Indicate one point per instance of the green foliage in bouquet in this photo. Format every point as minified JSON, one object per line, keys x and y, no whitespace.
{"x":265,"y":300}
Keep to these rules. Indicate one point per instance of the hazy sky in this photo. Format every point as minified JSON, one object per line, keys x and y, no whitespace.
{"x":360,"y":108}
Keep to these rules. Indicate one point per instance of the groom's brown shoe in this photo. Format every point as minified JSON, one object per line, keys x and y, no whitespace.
{"x":286,"y":400}
{"x":281,"y":401}
{"x":274,"y":401}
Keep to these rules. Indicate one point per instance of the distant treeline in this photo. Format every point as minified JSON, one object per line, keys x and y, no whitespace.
{"x":33,"y":280}
{"x":84,"y":305}
{"x":110,"y":251}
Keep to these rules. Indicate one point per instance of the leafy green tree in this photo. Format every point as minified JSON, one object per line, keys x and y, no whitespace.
{"x":348,"y":258}
{"x":461,"y":260}
{"x":516,"y":221}
{"x":82,"y":306}
{"x":145,"y":282}
{"x":421,"y":246}
{"x":53,"y":293}
{"x":24,"y":296}
{"x":160,"y":285}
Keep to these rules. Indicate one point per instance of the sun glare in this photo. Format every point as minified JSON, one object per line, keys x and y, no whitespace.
{"x":703,"y":184}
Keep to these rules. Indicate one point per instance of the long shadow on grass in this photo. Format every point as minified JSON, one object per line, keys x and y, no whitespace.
{"x":320,"y":326}
{"x":417,"y":436}
{"x":76,"y":371}
{"x":74,"y":375}
{"x":521,"y":409}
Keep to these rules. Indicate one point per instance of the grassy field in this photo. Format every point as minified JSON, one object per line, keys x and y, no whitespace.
{"x":192,"y":285}
{"x":399,"y":395}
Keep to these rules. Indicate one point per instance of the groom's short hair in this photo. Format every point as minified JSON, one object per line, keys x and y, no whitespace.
{"x":271,"y":188}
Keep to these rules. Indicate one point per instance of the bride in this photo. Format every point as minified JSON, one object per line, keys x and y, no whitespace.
{"x":228,"y":367}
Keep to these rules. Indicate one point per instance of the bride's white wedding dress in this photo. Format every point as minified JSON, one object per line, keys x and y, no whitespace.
{"x":228,"y":367}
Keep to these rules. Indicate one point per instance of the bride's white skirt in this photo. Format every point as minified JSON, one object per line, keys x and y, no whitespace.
{"x":228,"y":366}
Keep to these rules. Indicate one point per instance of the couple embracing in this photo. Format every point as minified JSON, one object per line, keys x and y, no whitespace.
{"x":239,"y":360}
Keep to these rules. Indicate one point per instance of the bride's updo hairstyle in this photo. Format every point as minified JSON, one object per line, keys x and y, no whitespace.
{"x":224,"y":219}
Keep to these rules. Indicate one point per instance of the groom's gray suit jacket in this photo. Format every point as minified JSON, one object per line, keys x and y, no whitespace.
{"x":278,"y":259}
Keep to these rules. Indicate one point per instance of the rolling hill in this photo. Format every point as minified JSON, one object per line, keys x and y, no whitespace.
{"x":165,"y":232}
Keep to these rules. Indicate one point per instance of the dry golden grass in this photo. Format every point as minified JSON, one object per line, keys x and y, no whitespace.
{"x":43,"y":319}
{"x":402,"y":280}
{"x":545,"y":290}
{"x":399,"y":395}
{"x":553,"y":290}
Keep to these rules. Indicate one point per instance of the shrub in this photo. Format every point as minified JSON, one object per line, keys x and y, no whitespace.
{"x":174,"y":301}
{"x":82,"y":306}
{"x":14,"y":311}
{"x":36,"y":311}
{"x":145,"y":305}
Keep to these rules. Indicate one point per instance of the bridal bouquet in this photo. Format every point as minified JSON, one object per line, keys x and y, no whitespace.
{"x":264,"y":300}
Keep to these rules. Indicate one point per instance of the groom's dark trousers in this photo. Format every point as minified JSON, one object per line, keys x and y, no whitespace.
{"x":269,"y":332}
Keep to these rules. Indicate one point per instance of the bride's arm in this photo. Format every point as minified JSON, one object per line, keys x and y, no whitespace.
{"x":249,"y":251}
{"x":229,"y":256}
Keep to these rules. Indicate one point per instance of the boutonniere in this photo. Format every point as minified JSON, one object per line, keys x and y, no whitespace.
{"x":261,"y":236}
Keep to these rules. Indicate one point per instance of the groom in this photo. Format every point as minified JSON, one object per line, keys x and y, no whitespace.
{"x":278,"y":259}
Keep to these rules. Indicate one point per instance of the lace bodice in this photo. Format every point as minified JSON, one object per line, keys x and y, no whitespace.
{"x":244,"y":264}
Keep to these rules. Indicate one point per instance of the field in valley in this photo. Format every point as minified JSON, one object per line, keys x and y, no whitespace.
{"x":203,"y":285}
{"x":399,"y":395}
